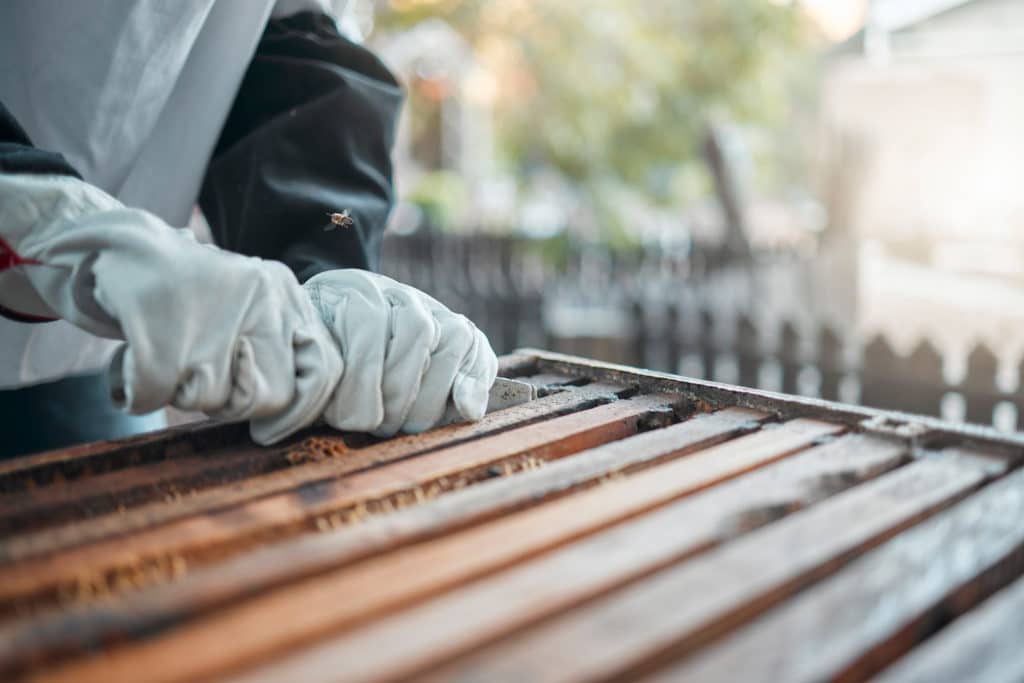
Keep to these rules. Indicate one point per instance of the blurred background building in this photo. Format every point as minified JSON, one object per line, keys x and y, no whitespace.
{"x":809,"y":195}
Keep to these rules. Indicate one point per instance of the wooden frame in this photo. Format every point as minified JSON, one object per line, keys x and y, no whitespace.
{"x":627,"y":524}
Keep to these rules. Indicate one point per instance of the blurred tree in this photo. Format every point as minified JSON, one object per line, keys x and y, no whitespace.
{"x":615,"y":95}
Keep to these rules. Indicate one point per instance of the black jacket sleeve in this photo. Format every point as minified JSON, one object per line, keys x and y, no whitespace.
{"x":310,"y":133}
{"x":18,"y":155}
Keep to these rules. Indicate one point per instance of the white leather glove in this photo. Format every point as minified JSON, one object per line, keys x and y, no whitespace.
{"x":404,"y":354}
{"x":205,"y":329}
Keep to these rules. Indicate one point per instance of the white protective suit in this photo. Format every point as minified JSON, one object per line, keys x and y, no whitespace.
{"x":137,"y":115}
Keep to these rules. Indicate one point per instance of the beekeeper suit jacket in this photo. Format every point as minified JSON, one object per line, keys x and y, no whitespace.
{"x":265,"y":119}
{"x":116,"y":118}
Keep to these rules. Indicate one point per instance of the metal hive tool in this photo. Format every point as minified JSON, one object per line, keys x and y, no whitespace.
{"x":625,"y":524}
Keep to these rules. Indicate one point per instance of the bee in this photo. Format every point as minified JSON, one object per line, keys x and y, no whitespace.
{"x":343,"y":219}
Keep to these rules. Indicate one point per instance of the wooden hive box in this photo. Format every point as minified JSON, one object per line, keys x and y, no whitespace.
{"x":625,"y":525}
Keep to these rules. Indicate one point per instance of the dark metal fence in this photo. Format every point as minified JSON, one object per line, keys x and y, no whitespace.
{"x":672,"y":309}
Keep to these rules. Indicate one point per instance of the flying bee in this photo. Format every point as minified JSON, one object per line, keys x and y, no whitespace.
{"x":343,"y":219}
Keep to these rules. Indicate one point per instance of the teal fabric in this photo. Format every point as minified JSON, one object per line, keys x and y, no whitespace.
{"x":64,"y":413}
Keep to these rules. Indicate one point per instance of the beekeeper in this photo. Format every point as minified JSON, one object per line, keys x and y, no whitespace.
{"x":116,"y":118}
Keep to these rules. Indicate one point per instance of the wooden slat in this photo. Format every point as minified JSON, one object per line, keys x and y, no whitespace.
{"x":880,"y":606}
{"x":53,"y":458}
{"x":355,"y":593}
{"x":982,"y":647}
{"x":404,"y":645}
{"x":192,"y":471}
{"x":688,"y":605}
{"x":103,"y":456}
{"x":293,"y":511}
{"x":68,"y":500}
{"x":79,"y":462}
{"x":56,"y":632}
{"x":550,"y":380}
{"x":344,"y":461}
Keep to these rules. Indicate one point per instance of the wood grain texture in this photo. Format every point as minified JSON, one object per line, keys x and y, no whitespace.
{"x":276,"y":515}
{"x":686,"y":606}
{"x":629,"y":525}
{"x":982,"y":647}
{"x":133,"y":451}
{"x":407,"y":643}
{"x":80,"y":462}
{"x":343,"y":598}
{"x":338,"y":461}
{"x":59,"y":632}
{"x":878,"y":607}
{"x":115,"y":491}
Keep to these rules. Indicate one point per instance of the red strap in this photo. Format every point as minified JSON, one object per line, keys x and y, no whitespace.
{"x":10,"y":258}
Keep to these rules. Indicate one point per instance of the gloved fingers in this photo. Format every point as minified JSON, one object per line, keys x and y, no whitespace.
{"x":457,"y":340}
{"x":254,"y":358}
{"x":411,"y":365}
{"x":414,"y":336}
{"x":205,"y":388}
{"x":244,"y":385}
{"x":139,"y":386}
{"x":316,"y":369}
{"x":264,"y":369}
{"x":116,"y":379}
{"x":142,"y":381}
{"x":361,"y":317}
{"x":262,"y":376}
{"x":318,"y":366}
{"x":474,"y":380}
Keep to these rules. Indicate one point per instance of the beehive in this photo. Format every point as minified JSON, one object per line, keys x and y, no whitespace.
{"x":624,"y":525}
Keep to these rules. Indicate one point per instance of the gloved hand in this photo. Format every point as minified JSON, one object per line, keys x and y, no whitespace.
{"x":404,"y":353}
{"x":205,"y":329}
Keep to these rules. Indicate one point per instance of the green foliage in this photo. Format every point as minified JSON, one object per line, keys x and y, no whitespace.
{"x":617,"y":93}
{"x":440,"y":195}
